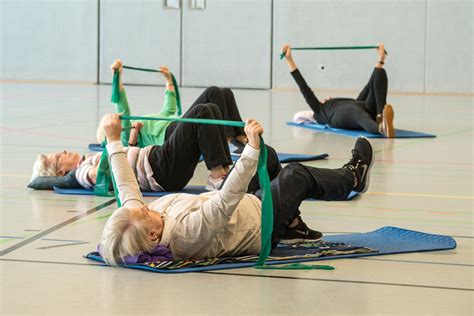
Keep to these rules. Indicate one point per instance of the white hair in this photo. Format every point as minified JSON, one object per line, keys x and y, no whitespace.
{"x":42,"y":167}
{"x":124,"y":236}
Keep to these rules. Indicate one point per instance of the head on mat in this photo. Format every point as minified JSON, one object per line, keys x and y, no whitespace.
{"x":227,"y":222}
{"x":56,"y":163}
{"x":130,"y":231}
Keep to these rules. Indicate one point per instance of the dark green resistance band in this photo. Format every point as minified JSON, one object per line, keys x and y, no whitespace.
{"x":282,"y":54}
{"x":116,"y":91}
{"x":105,"y":174}
{"x":105,"y":178}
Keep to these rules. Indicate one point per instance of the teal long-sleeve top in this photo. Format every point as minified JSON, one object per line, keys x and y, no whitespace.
{"x":152,"y":132}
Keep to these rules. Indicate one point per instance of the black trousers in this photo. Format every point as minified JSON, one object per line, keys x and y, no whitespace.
{"x":225,"y":100}
{"x":174,"y":162}
{"x":360,"y":113}
{"x":374,"y":93}
{"x":297,"y":182}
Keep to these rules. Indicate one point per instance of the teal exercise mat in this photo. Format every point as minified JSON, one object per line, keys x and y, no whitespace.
{"x":383,"y":241}
{"x":399,"y":133}
{"x":190,"y":189}
{"x":282,"y":157}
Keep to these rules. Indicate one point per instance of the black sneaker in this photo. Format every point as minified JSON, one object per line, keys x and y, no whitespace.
{"x":361,"y":163}
{"x":300,"y":233}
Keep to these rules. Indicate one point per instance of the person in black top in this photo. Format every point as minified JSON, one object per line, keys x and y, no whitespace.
{"x":369,"y":112}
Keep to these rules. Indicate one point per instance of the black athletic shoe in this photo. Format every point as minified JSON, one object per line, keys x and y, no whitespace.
{"x":300,"y":233}
{"x":361,"y":163}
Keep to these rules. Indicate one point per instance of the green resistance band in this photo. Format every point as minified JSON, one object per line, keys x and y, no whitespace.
{"x":105,"y":174}
{"x":116,"y":91}
{"x":297,"y":266}
{"x":282,"y":54}
{"x":105,"y":177}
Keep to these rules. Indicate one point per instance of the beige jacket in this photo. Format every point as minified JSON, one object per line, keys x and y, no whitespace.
{"x":214,"y":224}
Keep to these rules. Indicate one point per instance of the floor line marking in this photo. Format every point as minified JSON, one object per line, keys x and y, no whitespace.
{"x":318,"y":213}
{"x":340,"y":281}
{"x":267,"y":276}
{"x":419,"y":262}
{"x":55,"y":227}
{"x":54,"y":262}
{"x":63,"y":245}
{"x":423,"y":195}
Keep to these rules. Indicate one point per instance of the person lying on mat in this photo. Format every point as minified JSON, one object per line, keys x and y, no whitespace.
{"x":145,"y":133}
{"x":225,"y":222}
{"x":369,"y":112}
{"x":168,"y":167}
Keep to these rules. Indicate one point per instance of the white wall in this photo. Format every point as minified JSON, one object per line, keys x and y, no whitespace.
{"x":49,"y":40}
{"x":449,"y":36}
{"x":430,"y":42}
{"x":399,"y":24}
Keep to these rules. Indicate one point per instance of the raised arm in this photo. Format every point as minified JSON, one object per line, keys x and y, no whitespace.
{"x":169,"y":105}
{"x":308,"y":94}
{"x":122,"y":106}
{"x":127,"y":185}
{"x":217,"y":211}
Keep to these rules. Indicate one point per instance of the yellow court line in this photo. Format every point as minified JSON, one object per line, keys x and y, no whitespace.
{"x":423,"y":195}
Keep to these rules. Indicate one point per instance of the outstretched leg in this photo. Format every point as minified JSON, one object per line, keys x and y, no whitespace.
{"x":297,"y":182}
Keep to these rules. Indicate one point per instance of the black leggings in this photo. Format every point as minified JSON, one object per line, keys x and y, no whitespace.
{"x":174,"y":162}
{"x":297,"y":182}
{"x":225,"y":100}
{"x":360,"y":113}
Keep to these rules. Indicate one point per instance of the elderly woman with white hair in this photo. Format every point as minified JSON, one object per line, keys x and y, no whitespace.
{"x":225,"y":222}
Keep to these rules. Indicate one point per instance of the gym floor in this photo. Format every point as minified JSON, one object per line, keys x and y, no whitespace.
{"x":420,"y":184}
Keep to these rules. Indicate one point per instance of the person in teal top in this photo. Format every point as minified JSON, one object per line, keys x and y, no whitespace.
{"x":143,"y":133}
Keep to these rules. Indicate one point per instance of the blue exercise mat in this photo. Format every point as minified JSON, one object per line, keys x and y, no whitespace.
{"x":190,"y":189}
{"x":384,"y":241}
{"x":283,"y":157}
{"x":96,"y":147}
{"x":399,"y":133}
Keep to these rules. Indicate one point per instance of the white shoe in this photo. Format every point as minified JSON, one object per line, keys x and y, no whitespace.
{"x":214,"y":184}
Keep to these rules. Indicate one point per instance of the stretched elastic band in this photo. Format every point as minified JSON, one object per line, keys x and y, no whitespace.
{"x":185,"y":120}
{"x":282,"y":54}
{"x":105,"y":176}
{"x":116,"y":93}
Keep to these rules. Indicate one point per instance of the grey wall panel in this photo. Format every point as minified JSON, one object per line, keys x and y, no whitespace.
{"x":399,"y":24}
{"x":143,"y":33}
{"x":49,"y":40}
{"x":227,"y":44}
{"x":449,"y":58}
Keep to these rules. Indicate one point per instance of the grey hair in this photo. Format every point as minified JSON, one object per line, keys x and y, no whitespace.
{"x":124,"y":236}
{"x":41,"y":167}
